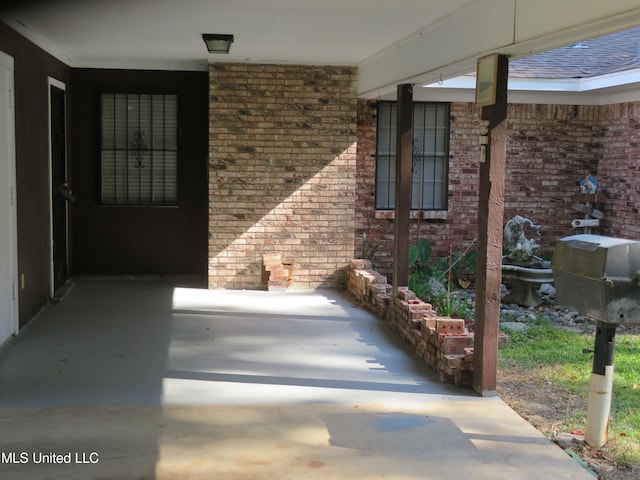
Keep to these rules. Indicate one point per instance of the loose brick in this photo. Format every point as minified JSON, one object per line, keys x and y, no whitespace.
{"x":455,"y":344}
{"x":454,"y":361}
{"x":429,"y":322}
{"x":468,"y":354}
{"x":360,"y":264}
{"x":462,"y":378}
{"x":405,"y":294}
{"x":450,"y":326}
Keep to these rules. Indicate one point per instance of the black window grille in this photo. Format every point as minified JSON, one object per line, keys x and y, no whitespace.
{"x":429,"y":187}
{"x":139,"y":149}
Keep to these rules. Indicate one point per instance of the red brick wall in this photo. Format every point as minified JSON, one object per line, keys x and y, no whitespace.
{"x":282,"y":155}
{"x":457,"y":227}
{"x":549,"y":148}
{"x":620,"y":169}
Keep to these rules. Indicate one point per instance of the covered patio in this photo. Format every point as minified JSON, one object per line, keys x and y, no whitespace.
{"x":137,"y":374}
{"x":158,"y":378}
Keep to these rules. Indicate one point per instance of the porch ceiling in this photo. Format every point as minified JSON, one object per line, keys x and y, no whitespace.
{"x":406,"y":41}
{"x":130,"y":33}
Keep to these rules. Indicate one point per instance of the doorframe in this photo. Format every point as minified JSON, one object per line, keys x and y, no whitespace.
{"x":53,"y":82}
{"x":6,"y":61}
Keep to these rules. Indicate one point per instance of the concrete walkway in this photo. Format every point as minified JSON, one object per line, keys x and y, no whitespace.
{"x":153,"y":379}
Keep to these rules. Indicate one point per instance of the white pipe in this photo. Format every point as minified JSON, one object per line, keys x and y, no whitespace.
{"x":599,"y":407}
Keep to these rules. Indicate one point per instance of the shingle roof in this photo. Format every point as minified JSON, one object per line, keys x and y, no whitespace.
{"x":611,"y":53}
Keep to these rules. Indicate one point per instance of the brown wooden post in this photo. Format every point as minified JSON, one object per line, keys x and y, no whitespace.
{"x":490,"y":232}
{"x":404,"y":160}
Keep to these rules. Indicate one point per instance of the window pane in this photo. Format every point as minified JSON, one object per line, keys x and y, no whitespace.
{"x":108,"y":175}
{"x":164,"y":179}
{"x":430,"y":154}
{"x":385,"y":181}
{"x":139,"y":149}
{"x":387,"y":131}
{"x":417,"y":183}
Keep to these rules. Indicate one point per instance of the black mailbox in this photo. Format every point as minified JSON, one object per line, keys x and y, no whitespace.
{"x":598,"y":276}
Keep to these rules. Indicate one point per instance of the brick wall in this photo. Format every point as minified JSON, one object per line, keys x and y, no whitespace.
{"x":459,"y":224}
{"x":444,"y":343}
{"x":365,"y":221}
{"x":550,"y":147}
{"x":619,"y":171}
{"x":282,"y":158}
{"x":287,"y":178}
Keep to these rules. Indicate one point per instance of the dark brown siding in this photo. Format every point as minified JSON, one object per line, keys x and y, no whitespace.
{"x":32,"y":66}
{"x":139,"y":240}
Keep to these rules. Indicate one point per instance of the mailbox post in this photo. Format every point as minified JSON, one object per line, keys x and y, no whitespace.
{"x":598,"y":276}
{"x":600,"y":386}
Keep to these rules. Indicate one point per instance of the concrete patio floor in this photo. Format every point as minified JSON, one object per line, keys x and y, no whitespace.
{"x":160,"y":379}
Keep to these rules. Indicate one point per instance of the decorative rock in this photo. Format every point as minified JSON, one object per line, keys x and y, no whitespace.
{"x":547,"y":289}
{"x":435,"y":288}
{"x":514,"y":326}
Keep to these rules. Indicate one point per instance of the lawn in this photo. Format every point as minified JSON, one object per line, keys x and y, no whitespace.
{"x":555,"y":357}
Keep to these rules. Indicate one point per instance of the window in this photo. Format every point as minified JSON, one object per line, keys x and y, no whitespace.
{"x":430,"y":156}
{"x":139,"y":149}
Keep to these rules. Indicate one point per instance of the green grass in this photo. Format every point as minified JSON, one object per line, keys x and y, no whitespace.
{"x":557,"y":355}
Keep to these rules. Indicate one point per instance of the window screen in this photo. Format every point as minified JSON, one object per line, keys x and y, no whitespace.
{"x":139,"y":150}
{"x":430,"y":156}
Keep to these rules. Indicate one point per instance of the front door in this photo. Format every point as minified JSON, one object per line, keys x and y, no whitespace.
{"x":8,"y":222}
{"x":60,"y":193}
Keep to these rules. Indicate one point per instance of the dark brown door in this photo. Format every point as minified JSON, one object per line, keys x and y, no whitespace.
{"x":61,"y":194}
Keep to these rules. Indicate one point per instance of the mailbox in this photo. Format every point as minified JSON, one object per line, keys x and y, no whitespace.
{"x":598,"y":276}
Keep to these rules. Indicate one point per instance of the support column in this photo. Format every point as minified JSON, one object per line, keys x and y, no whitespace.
{"x":404,"y":159}
{"x":490,"y":232}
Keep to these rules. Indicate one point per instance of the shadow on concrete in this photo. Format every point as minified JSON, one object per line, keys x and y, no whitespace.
{"x":117,"y":349}
{"x":159,"y":379}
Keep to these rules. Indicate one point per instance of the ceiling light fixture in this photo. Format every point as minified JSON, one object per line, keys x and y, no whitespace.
{"x":217,"y":42}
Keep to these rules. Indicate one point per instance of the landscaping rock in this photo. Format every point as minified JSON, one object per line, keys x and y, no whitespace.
{"x":514,"y":326}
{"x":435,"y":288}
{"x":549,"y":309}
{"x":547,"y":289}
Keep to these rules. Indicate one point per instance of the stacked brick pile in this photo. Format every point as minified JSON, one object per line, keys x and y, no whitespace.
{"x":277,"y":275}
{"x":444,"y":343}
{"x":369,"y":287}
